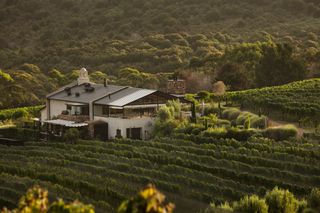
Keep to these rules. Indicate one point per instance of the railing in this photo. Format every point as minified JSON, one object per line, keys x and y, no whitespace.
{"x":75,"y":118}
{"x":132,"y":116}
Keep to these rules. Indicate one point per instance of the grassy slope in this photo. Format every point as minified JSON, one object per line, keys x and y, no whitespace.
{"x":191,"y":175}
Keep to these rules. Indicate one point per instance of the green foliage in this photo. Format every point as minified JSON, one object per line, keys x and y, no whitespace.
{"x":168,"y":119}
{"x":252,"y":204}
{"x":281,"y":201}
{"x":247,"y":123}
{"x":72,"y":135}
{"x":148,"y":200}
{"x":281,"y":133}
{"x":36,"y":200}
{"x":231,"y":113}
{"x":233,"y":74}
{"x":165,"y":114}
{"x":295,"y":101}
{"x":279,"y":65}
{"x":104,"y":174}
{"x":314,"y":199}
{"x":5,"y":77}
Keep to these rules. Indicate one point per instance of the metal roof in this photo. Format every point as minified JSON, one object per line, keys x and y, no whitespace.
{"x":125,"y":97}
{"x":61,"y":122}
{"x":85,"y":97}
{"x":111,"y":95}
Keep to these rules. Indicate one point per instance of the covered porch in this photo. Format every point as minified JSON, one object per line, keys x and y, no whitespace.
{"x":57,"y":127}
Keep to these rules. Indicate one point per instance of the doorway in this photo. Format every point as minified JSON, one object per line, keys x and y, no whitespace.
{"x":134,"y":133}
{"x":101,"y":131}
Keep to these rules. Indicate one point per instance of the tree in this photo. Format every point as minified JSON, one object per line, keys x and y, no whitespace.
{"x":281,"y":201}
{"x":279,"y":65}
{"x":233,"y":75}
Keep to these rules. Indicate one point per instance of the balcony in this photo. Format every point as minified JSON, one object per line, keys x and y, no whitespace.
{"x":75,"y":118}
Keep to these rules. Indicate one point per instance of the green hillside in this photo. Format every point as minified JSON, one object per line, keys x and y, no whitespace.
{"x":191,"y":175}
{"x":150,"y":35}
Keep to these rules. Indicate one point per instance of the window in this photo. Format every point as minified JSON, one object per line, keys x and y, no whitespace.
{"x":105,"y":110}
{"x":118,"y":135}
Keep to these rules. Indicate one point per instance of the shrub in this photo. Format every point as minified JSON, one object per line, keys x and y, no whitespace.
{"x":164,"y":113}
{"x":281,"y":133}
{"x":259,"y":122}
{"x":211,"y":109}
{"x":240,"y":134}
{"x":223,"y":123}
{"x":148,"y":200}
{"x":247,"y":123}
{"x":165,"y":129}
{"x":252,"y":204}
{"x":72,"y":135}
{"x":314,"y":199}
{"x":18,"y":133}
{"x":243,"y":116}
{"x":222,"y":208}
{"x":215,"y":132}
{"x":231,"y":113}
{"x":20,"y":114}
{"x":281,"y":201}
{"x":303,"y":204}
{"x":36,"y":200}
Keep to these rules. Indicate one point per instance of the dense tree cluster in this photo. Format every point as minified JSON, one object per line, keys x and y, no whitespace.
{"x":162,"y":36}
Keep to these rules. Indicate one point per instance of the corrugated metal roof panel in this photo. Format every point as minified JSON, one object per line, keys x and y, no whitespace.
{"x":84,"y":96}
{"x":125,"y":96}
{"x":131,"y":97}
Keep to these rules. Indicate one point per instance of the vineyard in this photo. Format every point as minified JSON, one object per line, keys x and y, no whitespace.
{"x":191,"y":174}
{"x":298,"y":100}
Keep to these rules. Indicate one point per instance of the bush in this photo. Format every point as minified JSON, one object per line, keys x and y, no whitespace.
{"x":36,"y":200}
{"x":252,"y":204}
{"x":243,"y":117}
{"x":223,"y":123}
{"x":281,"y":133}
{"x":19,"y":112}
{"x":211,"y":110}
{"x":215,"y":132}
{"x":259,"y":122}
{"x":314,"y":199}
{"x":240,"y":134}
{"x":165,"y":113}
{"x":19,"y":133}
{"x":72,"y":135}
{"x":231,"y":113}
{"x":247,"y":123}
{"x":281,"y":201}
{"x":148,"y":200}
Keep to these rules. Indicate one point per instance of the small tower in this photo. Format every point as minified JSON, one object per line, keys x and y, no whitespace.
{"x":83,"y":77}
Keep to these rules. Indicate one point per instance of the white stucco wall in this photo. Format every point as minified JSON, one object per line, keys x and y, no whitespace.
{"x":56,"y":107}
{"x":146,"y":123}
{"x":43,"y":114}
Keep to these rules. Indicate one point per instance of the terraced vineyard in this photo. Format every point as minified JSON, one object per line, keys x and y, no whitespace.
{"x":299,"y":99}
{"x":190,"y":174}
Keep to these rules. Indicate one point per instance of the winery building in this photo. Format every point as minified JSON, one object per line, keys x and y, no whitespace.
{"x":108,"y":111}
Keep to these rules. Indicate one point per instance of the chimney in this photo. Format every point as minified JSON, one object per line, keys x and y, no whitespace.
{"x":105,"y":82}
{"x":83,"y":77}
